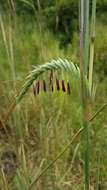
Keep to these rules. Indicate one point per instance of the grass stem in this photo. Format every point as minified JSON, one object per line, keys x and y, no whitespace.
{"x":93,"y":22}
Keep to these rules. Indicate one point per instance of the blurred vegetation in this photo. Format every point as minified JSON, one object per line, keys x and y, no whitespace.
{"x":31,"y":33}
{"x":59,"y":21}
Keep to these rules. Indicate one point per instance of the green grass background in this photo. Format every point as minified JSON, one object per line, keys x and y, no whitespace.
{"x":41,"y":126}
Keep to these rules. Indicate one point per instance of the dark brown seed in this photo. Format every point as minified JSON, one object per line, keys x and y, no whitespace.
{"x":57,"y":84}
{"x":34,"y":90}
{"x":52,"y":87}
{"x":38,"y":87}
{"x":51,"y":77}
{"x":68,"y":88}
{"x":63,"y":86}
{"x":44,"y":85}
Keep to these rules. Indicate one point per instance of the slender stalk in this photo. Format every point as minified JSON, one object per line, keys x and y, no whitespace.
{"x":39,"y":20}
{"x":86,"y":35}
{"x":97,"y":113}
{"x":93,"y":22}
{"x":84,"y":54}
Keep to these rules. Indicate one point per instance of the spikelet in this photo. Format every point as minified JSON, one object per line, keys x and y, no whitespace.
{"x":34,"y":90}
{"x":57,"y":84}
{"x":44,"y":86}
{"x":63,"y":86}
{"x":51,"y":77}
{"x":68,"y":88}
{"x":38,"y":87}
{"x":52,"y":85}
